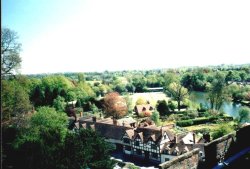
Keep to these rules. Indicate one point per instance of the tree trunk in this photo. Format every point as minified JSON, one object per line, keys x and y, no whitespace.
{"x":179,"y":105}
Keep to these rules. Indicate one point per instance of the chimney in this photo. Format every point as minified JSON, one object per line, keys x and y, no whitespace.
{"x":206,"y":137}
{"x":94,"y":119}
{"x":194,"y":138}
{"x":175,"y":138}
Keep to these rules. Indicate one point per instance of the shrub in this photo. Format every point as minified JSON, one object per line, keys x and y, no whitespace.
{"x":221,"y":131}
{"x":184,"y":123}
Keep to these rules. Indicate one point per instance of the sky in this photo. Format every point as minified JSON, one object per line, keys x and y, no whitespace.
{"x":98,"y":35}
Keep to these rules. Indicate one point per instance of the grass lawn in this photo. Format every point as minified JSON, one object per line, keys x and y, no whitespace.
{"x":210,"y":127}
{"x":152,"y":97}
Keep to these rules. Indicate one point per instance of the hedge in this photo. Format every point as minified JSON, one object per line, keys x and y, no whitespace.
{"x":184,"y":123}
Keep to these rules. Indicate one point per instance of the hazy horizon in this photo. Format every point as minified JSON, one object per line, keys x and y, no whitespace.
{"x":95,"y":36}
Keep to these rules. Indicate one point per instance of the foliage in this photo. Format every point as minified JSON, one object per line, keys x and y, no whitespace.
{"x":10,"y":51}
{"x":46,"y":143}
{"x":15,"y":99}
{"x":194,"y":81}
{"x":85,"y":149}
{"x":156,"y":117}
{"x":202,"y":120}
{"x":162,"y":107}
{"x":244,"y":114}
{"x":42,"y":139}
{"x":59,"y":104}
{"x":115,"y":105}
{"x":141,"y":101}
{"x":184,"y":123}
{"x":129,"y":103}
{"x":217,"y":92}
{"x":222,"y":130}
{"x":131,"y":166}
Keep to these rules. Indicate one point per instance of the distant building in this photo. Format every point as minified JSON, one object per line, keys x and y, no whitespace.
{"x":144,"y":110}
{"x":155,"y":89}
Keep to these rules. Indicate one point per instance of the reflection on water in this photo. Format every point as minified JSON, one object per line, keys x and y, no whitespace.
{"x":228,"y":107}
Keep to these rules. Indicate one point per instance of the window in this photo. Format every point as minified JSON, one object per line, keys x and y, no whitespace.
{"x":138,"y":152}
{"x":167,"y":159}
{"x":126,"y":140}
{"x":154,"y":155}
{"x":153,"y":146}
{"x":137,"y":143}
{"x":128,"y":148}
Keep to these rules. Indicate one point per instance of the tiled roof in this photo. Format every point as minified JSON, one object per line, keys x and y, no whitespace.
{"x":154,"y":132}
{"x":130,"y":133}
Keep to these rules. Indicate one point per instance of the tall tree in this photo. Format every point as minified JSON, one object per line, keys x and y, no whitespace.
{"x":10,"y":52}
{"x":217,"y":92}
{"x":42,"y":139}
{"x":86,"y":149}
{"x":15,"y":100}
{"x":115,"y":105}
{"x":177,"y":92}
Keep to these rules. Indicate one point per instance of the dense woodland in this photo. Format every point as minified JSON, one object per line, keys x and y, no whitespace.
{"x":35,"y":108}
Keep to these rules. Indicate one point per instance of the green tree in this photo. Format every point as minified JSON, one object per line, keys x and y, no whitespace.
{"x":10,"y":52}
{"x":217,"y":92}
{"x":170,"y":77}
{"x":178,"y":93}
{"x":86,"y":149}
{"x":162,"y":107}
{"x":156,"y":117}
{"x":222,"y":130}
{"x":42,"y":139}
{"x":244,"y":114}
{"x":59,"y":104}
{"x":15,"y":100}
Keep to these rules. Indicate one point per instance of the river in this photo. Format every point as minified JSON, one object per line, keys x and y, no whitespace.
{"x":230,"y":108}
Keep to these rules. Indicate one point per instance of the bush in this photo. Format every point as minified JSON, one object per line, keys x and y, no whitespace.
{"x":173,"y":117}
{"x":184,"y":123}
{"x":221,"y":131}
{"x":192,"y":113}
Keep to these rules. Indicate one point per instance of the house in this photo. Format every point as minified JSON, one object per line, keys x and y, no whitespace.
{"x":146,"y":142}
{"x":144,"y":110}
{"x":184,"y":143}
{"x":111,"y":130}
{"x":149,"y":142}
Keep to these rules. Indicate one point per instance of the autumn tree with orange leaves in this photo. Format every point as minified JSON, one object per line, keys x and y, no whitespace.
{"x":115,"y":105}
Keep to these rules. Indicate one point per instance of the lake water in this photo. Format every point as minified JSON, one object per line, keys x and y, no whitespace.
{"x":228,"y":107}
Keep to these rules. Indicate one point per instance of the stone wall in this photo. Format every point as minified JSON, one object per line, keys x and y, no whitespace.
{"x":218,"y":149}
{"x":189,"y":160}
